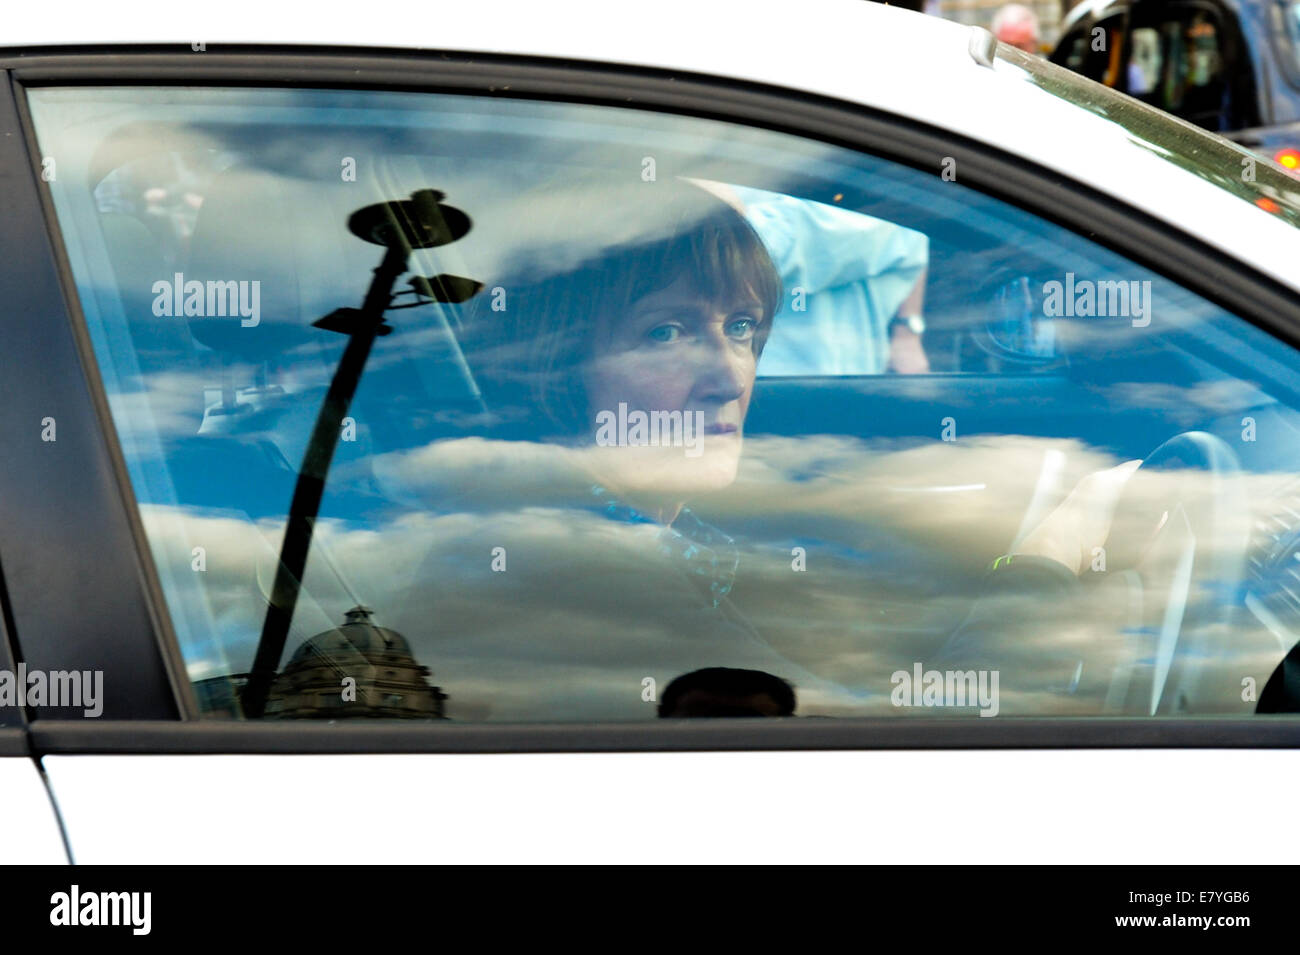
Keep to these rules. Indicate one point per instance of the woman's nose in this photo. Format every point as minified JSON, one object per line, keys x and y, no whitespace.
{"x":724,"y":371}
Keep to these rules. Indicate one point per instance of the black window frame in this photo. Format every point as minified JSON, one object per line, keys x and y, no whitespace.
{"x":153,"y":709}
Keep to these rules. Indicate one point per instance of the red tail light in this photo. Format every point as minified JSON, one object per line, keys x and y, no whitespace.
{"x":1287,"y":158}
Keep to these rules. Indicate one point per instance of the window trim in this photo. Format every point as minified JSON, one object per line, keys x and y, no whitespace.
{"x":68,"y":737}
{"x":1076,"y":207}
{"x":14,"y":742}
{"x":84,"y":579}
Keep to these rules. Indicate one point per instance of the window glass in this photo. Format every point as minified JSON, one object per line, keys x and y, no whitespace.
{"x":1092,"y":51}
{"x":1146,"y":61}
{"x":1184,"y":58}
{"x":1292,"y":19}
{"x":1176,"y":63}
{"x":442,"y":407}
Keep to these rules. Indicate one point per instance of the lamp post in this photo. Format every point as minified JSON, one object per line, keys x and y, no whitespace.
{"x":421,"y":222}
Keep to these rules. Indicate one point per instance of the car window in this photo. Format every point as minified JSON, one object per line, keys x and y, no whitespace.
{"x":1291,"y":19}
{"x":444,"y":407}
{"x":1178,"y":61}
{"x":1094,"y":51}
{"x":1184,"y":58}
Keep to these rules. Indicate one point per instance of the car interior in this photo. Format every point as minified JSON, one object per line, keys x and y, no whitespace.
{"x":955,"y":465}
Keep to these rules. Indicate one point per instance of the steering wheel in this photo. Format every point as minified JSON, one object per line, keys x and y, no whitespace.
{"x":1179,"y":539}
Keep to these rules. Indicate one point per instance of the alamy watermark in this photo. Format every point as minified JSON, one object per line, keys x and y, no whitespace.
{"x":1085,"y":298}
{"x":924,"y":687}
{"x":194,"y":299}
{"x":655,"y":429}
{"x":54,"y":688}
{"x":76,"y":907}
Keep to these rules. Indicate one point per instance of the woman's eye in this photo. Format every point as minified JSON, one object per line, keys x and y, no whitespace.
{"x":742,"y":329}
{"x":665,"y":333}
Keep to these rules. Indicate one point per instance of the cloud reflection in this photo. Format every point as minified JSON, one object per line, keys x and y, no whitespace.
{"x":587,"y":608}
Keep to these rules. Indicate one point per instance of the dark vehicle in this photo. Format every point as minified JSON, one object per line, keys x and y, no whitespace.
{"x":1229,"y":66}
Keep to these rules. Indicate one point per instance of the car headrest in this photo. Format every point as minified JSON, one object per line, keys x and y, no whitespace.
{"x":287,"y":235}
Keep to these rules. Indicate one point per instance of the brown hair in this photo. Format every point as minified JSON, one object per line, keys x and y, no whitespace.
{"x":552,"y":320}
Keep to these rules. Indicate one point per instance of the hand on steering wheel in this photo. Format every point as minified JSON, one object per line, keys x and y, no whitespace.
{"x":1176,"y":526}
{"x":1082,"y":522}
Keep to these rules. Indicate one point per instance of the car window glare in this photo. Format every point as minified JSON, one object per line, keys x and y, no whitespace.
{"x":402,"y":452}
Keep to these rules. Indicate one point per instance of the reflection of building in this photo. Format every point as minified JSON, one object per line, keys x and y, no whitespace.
{"x":218,"y":696}
{"x":355,"y":670}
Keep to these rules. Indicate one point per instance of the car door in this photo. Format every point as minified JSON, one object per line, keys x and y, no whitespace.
{"x":35,"y":835}
{"x":318,"y":534}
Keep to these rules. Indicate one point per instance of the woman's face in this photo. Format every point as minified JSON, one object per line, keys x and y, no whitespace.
{"x":675,"y":351}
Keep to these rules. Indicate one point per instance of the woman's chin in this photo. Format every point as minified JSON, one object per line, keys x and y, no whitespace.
{"x":668,"y":471}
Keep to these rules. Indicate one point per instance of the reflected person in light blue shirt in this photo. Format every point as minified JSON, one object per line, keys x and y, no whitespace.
{"x":853,"y":288}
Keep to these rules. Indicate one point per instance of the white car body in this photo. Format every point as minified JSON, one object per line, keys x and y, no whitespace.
{"x":860,"y":52}
{"x":1026,"y":805}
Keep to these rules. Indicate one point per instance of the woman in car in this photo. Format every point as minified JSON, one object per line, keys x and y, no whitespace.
{"x":629,"y":368}
{"x":625,"y":357}
{"x":642,"y":358}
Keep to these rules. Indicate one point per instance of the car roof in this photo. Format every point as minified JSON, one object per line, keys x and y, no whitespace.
{"x":748,"y":39}
{"x":884,"y":57}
